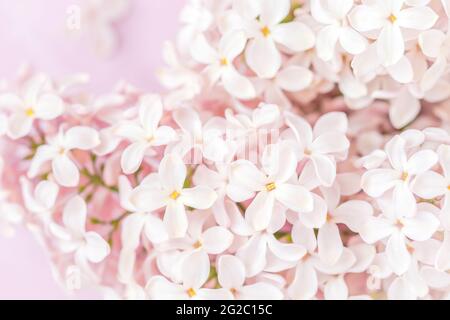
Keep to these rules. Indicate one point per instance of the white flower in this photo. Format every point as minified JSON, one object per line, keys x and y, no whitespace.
{"x":87,"y":245}
{"x":292,"y":78}
{"x":322,"y":144}
{"x":145,"y":134}
{"x":194,"y":273}
{"x":334,"y":15}
{"x":42,"y":199}
{"x":203,"y":140}
{"x":57,"y":150}
{"x":166,"y":190}
{"x":389,"y":17}
{"x":430,"y":184}
{"x":435,"y":45}
{"x":262,"y":23}
{"x":397,"y":228}
{"x":377,"y":181}
{"x":220,"y":63}
{"x":271,"y":185}
{"x":231,"y":276}
{"x":37,"y":102}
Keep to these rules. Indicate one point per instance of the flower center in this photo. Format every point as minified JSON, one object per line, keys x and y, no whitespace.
{"x":448,"y":187}
{"x":197,"y":245}
{"x":191,"y":292}
{"x":149,"y":139}
{"x":271,"y":186}
{"x":62,"y":151}
{"x":174,"y":195}
{"x":224,"y":62}
{"x":307,"y":152}
{"x":265,"y":31}
{"x":404,"y":176}
{"x":29,"y":112}
{"x":392,"y":18}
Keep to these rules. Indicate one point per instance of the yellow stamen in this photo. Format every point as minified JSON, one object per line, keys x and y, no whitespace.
{"x":307,"y":152}
{"x":404,"y":176}
{"x":197,"y":245}
{"x":29,"y":112}
{"x":265,"y":31}
{"x":174,"y":195}
{"x":191,"y":292}
{"x":224,"y":62}
{"x":392,"y":18}
{"x":62,"y":151}
{"x":448,"y":187}
{"x":271,"y":186}
{"x":329,"y":217}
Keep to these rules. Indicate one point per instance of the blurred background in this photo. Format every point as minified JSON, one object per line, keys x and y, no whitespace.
{"x":35,"y":32}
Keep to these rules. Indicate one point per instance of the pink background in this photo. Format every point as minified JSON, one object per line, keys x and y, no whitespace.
{"x":34,"y":31}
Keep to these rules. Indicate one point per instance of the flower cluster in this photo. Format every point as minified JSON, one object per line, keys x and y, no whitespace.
{"x":291,"y":53}
{"x":253,"y":177}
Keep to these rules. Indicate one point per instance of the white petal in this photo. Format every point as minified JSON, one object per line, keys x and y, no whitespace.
{"x":148,"y":198}
{"x":402,"y":71}
{"x":336,"y":289}
{"x":443,"y":255}
{"x":429,"y":185}
{"x":175,"y":220}
{"x":247,"y":175}
{"x":351,"y":41}
{"x":131,"y":230}
{"x":395,"y":150}
{"x":216,"y":240}
{"x":286,"y":251}
{"x":49,"y":107}
{"x":377,"y":181}
{"x":400,"y":290}
{"x":150,"y":112}
{"x":431,"y":77}
{"x":430,"y":42}
{"x":365,"y":18}
{"x":46,"y":193}
{"x":132,"y":157}
{"x":172,"y":172}
{"x":96,"y":247}
{"x":294,"y":35}
{"x":238,"y":85}
{"x":331,"y":121}
{"x":294,"y":78}
{"x":74,"y":215}
{"x":325,"y":169}
{"x":375,"y":229}
{"x":390,"y":45}
{"x":260,"y":291}
{"x":43,"y":154}
{"x":421,"y":227}
{"x":202,"y":51}
{"x":404,"y":109}
{"x":232,"y":44}
{"x":330,"y":142}
{"x":418,"y":18}
{"x":274,"y":11}
{"x":65,"y":171}
{"x":404,"y":200}
{"x":199,"y":197}
{"x":253,"y":255}
{"x":263,"y":57}
{"x":155,"y":230}
{"x":353,"y":214}
{"x":326,"y":42}
{"x":160,"y":288}
{"x":195,"y":269}
{"x":19,"y":125}
{"x":305,"y":284}
{"x":294,"y":197}
{"x":83,"y":138}
{"x":259,"y":212}
{"x":397,"y":254}
{"x":231,"y":272}
{"x":329,"y":243}
{"x":421,"y":161}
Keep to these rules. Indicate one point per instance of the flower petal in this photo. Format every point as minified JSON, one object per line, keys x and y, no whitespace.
{"x":132,"y":157}
{"x":294,"y":35}
{"x":199,"y":197}
{"x":230,"y":271}
{"x":397,"y":254}
{"x":216,"y":240}
{"x":65,"y":171}
{"x":263,"y":57}
{"x":96,"y":248}
{"x":329,"y":243}
{"x":83,"y":138}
